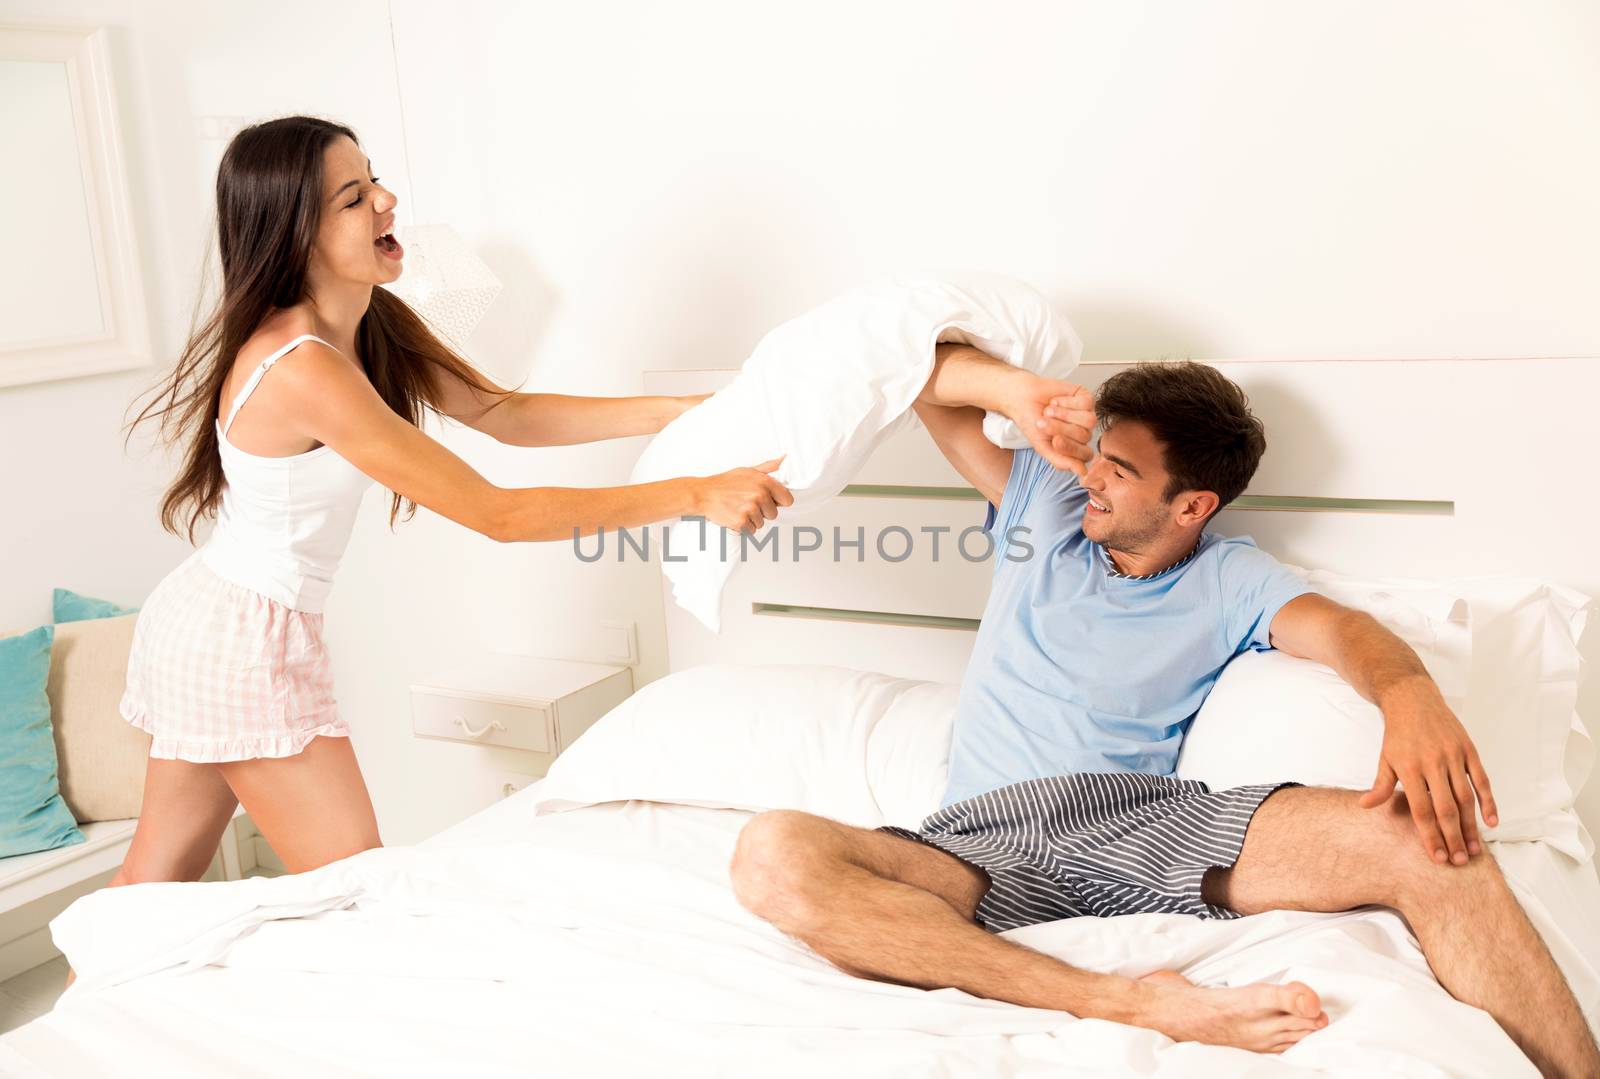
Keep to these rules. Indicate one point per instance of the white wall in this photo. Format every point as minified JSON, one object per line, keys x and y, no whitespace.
{"x":663,"y":183}
{"x":78,"y":513}
{"x":657,"y":185}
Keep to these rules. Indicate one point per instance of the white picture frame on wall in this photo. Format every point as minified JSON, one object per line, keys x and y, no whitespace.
{"x":71,"y":300}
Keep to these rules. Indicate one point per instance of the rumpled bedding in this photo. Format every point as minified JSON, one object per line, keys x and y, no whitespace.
{"x":606,"y":941}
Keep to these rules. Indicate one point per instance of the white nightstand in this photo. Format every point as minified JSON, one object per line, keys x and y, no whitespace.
{"x":516,"y":702}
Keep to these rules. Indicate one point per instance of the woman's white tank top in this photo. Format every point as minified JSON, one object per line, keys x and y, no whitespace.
{"x":284,"y":521}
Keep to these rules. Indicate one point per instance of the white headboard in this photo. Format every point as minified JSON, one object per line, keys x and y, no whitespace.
{"x":1415,"y":468}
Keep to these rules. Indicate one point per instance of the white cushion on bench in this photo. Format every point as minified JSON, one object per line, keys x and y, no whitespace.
{"x":27,"y":877}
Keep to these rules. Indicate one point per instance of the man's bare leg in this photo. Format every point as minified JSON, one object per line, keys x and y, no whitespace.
{"x":1316,"y":849}
{"x":884,"y":907}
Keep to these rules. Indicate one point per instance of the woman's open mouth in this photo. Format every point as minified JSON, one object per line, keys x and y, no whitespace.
{"x":389,"y":247}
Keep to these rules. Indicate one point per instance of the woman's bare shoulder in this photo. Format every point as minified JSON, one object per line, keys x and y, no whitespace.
{"x":276,"y":330}
{"x":261,"y":429}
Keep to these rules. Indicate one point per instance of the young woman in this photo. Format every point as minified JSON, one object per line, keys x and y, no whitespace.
{"x":302,"y":389}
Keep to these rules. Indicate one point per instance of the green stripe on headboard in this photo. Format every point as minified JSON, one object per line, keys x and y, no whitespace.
{"x":845,"y":614}
{"x":1290,"y":503}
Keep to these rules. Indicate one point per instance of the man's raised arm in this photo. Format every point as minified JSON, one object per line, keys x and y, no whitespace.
{"x":1057,"y":417}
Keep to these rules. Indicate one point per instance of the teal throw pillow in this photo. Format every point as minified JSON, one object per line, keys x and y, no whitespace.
{"x":71,"y":607}
{"x":32,"y":815}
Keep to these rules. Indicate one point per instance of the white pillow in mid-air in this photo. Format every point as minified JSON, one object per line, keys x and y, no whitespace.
{"x":824,"y":389}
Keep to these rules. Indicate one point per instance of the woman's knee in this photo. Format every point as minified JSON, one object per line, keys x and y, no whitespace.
{"x":147,"y":868}
{"x":308,"y":846}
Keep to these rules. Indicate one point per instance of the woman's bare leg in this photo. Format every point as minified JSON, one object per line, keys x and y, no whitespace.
{"x":186,"y":807}
{"x":312,"y":808}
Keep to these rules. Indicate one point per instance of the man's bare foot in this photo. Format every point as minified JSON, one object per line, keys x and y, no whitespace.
{"x":1261,"y":1018}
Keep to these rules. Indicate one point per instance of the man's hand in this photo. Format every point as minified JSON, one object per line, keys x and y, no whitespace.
{"x":1426,"y":749}
{"x":1424,"y":745}
{"x":1057,"y":418}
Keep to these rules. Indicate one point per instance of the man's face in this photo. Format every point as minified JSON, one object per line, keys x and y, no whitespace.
{"x":1125,"y":480}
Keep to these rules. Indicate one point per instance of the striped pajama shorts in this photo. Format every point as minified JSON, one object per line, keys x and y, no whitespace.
{"x":1094,"y":843}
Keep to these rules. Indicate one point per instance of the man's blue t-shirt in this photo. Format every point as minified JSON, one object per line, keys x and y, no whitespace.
{"x":1076,"y":670}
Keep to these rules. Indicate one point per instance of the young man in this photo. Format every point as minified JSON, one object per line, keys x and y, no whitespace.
{"x":1093,"y":655}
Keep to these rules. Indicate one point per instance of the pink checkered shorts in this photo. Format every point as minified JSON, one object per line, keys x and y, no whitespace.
{"x":220,"y":672}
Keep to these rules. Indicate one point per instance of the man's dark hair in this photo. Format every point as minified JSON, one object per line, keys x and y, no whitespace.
{"x":1211,"y":441}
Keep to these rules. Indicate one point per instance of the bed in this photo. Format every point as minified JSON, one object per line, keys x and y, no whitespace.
{"x":586,"y":926}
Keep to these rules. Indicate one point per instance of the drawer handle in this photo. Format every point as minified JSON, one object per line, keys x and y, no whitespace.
{"x":492,"y":725}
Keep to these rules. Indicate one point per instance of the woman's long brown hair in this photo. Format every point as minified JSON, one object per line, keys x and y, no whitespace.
{"x":269,"y":203}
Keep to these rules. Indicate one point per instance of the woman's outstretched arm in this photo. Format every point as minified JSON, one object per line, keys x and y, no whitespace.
{"x":556,"y":419}
{"x":331,"y":401}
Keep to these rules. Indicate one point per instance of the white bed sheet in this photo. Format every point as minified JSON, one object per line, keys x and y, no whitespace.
{"x":606,"y":942}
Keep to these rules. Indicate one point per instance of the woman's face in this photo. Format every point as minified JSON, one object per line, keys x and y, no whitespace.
{"x":357,"y":216}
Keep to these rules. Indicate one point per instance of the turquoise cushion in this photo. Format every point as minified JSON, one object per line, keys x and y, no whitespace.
{"x":71,"y":607}
{"x":32,"y":814}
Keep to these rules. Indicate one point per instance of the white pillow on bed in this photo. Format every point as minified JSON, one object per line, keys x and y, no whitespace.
{"x":823,"y":389}
{"x":908,"y":756}
{"x":1504,"y":653}
{"x":870,"y":749}
{"x":857,"y":746}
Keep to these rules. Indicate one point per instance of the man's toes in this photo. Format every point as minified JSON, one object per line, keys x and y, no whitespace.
{"x":1291,"y":1034}
{"x":1301,"y":1000}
